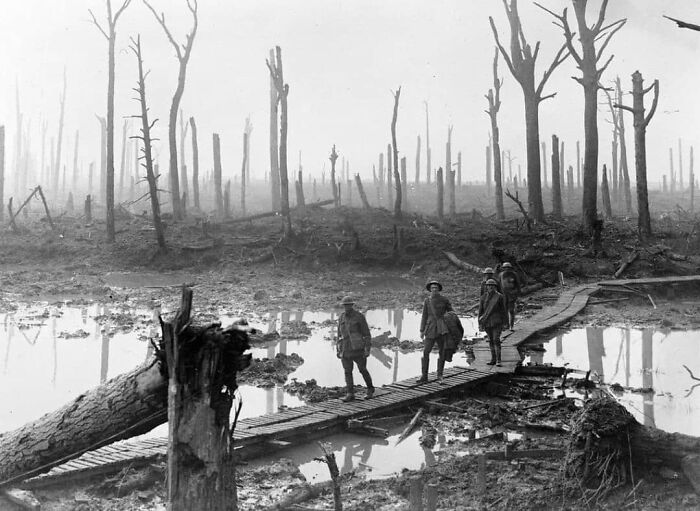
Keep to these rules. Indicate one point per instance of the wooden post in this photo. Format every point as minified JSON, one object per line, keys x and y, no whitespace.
{"x":556,"y":186}
{"x":195,"y":164}
{"x":361,"y":192}
{"x":217,"y":176}
{"x":88,"y":209}
{"x":416,"y":491}
{"x":440,"y":195}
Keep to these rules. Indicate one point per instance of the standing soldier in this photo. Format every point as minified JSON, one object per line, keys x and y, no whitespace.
{"x":353,"y":346}
{"x":488,"y":274}
{"x":510,"y":287}
{"x":492,"y":317}
{"x":433,"y":329}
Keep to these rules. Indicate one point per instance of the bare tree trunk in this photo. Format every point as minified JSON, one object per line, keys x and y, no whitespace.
{"x":417,"y":181}
{"x":195,"y":164}
{"x":404,"y":184}
{"x":147,"y":148}
{"x":243,"y":171}
{"x":274,"y":155}
{"x":301,"y":201}
{"x":389,"y":178}
{"x":691,"y":182}
{"x":218,"y":192}
{"x":640,"y":159}
{"x":60,"y":139}
{"x":103,"y":157}
{"x":183,"y":52}
{"x":459,"y":169}
{"x":543,"y":152}
{"x":427,"y":145}
{"x":334,"y":157}
{"x":74,"y":181}
{"x":450,"y":174}
{"x":440,"y":195}
{"x":680,"y":164}
{"x":227,"y":199}
{"x":671,"y":171}
{"x":184,"y":126}
{"x":361,"y":191}
{"x":397,"y":176}
{"x":18,"y":143}
{"x":556,"y":185}
{"x":624,"y":169}
{"x":605,"y":190}
{"x":488,"y":169}
{"x":494,"y":100}
{"x":381,"y":169}
{"x":122,"y":166}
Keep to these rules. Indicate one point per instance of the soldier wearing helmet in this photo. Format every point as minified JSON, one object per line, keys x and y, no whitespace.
{"x":492,"y":317}
{"x":488,"y":274}
{"x":433,"y":329}
{"x":511,"y":288}
{"x":353,"y":347}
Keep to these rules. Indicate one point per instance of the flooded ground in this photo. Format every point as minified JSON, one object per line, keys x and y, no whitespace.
{"x":644,"y":368}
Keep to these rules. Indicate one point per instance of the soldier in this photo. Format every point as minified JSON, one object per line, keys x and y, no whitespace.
{"x":353,"y":346}
{"x":492,"y":317}
{"x":433,"y":329}
{"x":488,"y":274}
{"x":510,"y":287}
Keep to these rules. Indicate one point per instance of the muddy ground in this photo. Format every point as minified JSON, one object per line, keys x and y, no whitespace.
{"x":249,"y":269}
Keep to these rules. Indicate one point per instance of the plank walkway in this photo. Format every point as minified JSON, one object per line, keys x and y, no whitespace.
{"x":322,"y":417}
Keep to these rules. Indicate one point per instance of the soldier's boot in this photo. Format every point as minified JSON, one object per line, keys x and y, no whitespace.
{"x":498,"y":355}
{"x":368,"y":383}
{"x":424,"y":370}
{"x":350,"y":385}
{"x":440,"y":370}
{"x":493,"y":355}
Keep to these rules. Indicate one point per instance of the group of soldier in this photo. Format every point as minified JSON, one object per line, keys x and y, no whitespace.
{"x":439,"y":326}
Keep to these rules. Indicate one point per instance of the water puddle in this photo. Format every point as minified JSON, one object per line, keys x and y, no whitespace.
{"x":636,"y":360}
{"x":52,"y":352}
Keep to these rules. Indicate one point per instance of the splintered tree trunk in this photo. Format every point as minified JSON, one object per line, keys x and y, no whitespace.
{"x":195,"y":164}
{"x":74,"y":181}
{"x":218,"y":192}
{"x":670,"y":170}
{"x":691,"y":181}
{"x":605,"y":190}
{"x":451,"y":187}
{"x":404,"y":184}
{"x":556,"y":185}
{"x":183,"y":166}
{"x":130,"y":404}
{"x":590,"y":161}
{"x":459,"y":169}
{"x":440,"y":194}
{"x":488,"y":169}
{"x":122,"y":163}
{"x":103,"y":158}
{"x":334,"y":188}
{"x":578,"y":162}
{"x":543,"y":145}
{"x":301,"y":201}
{"x":361,"y":192}
{"x":389,"y":178}
{"x":202,"y":364}
{"x":57,"y":165}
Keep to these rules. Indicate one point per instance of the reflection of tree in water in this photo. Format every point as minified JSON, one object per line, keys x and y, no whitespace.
{"x":398,"y":322}
{"x":648,"y":376}
{"x":596,"y":350}
{"x":558,"y":345}
{"x":624,"y":347}
{"x":104,"y":337}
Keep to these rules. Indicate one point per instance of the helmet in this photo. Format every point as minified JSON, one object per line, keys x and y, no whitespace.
{"x":487,"y":270}
{"x":431,"y":282}
{"x":507,"y":265}
{"x":491,"y":282}
{"x":347,"y":300}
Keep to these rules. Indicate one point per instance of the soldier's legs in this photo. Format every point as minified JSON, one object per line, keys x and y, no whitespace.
{"x":362,"y":366}
{"x":441,"y":357}
{"x":496,"y":333}
{"x":349,"y":383}
{"x":510,"y":304}
{"x":492,"y":346}
{"x":425,"y":361}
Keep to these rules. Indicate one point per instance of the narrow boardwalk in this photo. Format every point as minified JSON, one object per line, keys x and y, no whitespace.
{"x":316,"y":419}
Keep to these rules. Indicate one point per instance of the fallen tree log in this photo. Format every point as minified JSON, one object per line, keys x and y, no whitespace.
{"x":274,"y":213}
{"x":461,"y":264}
{"x":130,"y":404}
{"x":608,"y":447}
{"x":630,"y":259}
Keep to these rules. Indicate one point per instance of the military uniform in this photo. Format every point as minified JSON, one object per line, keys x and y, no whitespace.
{"x":492,"y":316}
{"x":434,"y":328}
{"x":510,"y":287}
{"x":354,"y":343}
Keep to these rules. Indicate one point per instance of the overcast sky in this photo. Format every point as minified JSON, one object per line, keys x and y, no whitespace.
{"x":342,"y":59}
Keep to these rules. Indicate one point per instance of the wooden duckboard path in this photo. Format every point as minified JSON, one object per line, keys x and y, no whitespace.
{"x":318,"y":417}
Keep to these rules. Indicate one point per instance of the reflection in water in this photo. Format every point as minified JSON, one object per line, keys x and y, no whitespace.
{"x":637,"y":359}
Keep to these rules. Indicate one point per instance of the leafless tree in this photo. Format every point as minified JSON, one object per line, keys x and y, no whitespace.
{"x":494,"y":100}
{"x":427,"y":145}
{"x":111,"y":35}
{"x":397,"y":175}
{"x":277,"y":74}
{"x":146,"y":141}
{"x":183,"y":52}
{"x":333,"y":158}
{"x":184,"y":126}
{"x":588,"y":61}
{"x":521,"y":62}
{"x":195,"y":163}
{"x":684,"y":24}
{"x":274,"y":148}
{"x":641,"y":122}
{"x":57,"y":168}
